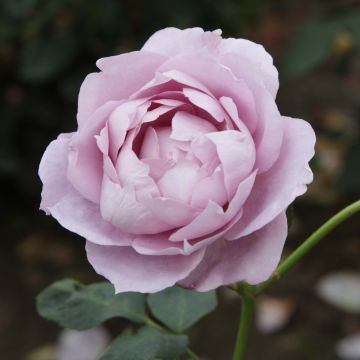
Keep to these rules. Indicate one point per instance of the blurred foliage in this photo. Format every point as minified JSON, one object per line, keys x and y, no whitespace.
{"x":318,"y":38}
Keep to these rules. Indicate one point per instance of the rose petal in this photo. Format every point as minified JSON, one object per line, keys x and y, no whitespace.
{"x":256,"y":54}
{"x":123,"y":74}
{"x":205,"y":102}
{"x":214,"y":217}
{"x":220,"y":81}
{"x":130,"y":271}
{"x":179,"y":181}
{"x":150,"y":145}
{"x":52,"y":172}
{"x":170,"y":211}
{"x":210,"y":188}
{"x":157,"y":245}
{"x":85,"y":158}
{"x":172,"y":41}
{"x":120,"y":207}
{"x":236,"y":153}
{"x":276,"y":189}
{"x":187,"y":127}
{"x":66,"y":205}
{"x":252,"y":258}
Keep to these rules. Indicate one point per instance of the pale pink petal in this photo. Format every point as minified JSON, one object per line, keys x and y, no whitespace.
{"x":252,"y":258}
{"x":205,"y":102}
{"x":129,"y":271}
{"x":120,"y":207}
{"x":178,"y":182}
{"x":153,"y":115}
{"x":158,"y":167}
{"x":83,"y":217}
{"x":170,"y":211}
{"x":187,"y":127}
{"x":268,"y":132}
{"x":236,"y":153}
{"x":253,"y":53}
{"x":276,"y":189}
{"x":210,"y":188}
{"x":85,"y":158}
{"x":121,"y":120}
{"x":67,"y":206}
{"x":121,"y":76}
{"x":173,"y":41}
{"x":52,"y":172}
{"x":231,"y":110}
{"x":150,"y":145}
{"x":187,"y":80}
{"x":157,"y":244}
{"x":220,"y":81}
{"x":169,"y":148}
{"x":133,"y":172}
{"x":214,"y":217}
{"x":204,"y":149}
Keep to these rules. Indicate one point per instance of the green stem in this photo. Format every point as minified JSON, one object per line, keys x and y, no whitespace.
{"x":309,"y":243}
{"x":154,"y":324}
{"x":247,"y":308}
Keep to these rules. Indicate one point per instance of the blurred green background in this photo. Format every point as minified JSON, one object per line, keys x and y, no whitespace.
{"x":46,"y":49}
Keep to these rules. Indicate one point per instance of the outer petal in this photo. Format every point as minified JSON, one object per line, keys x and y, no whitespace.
{"x":130,"y":271}
{"x":83,"y":217}
{"x":65,"y":204}
{"x":276,"y":189}
{"x":54,"y":163}
{"x":172,"y":41}
{"x":256,"y":54}
{"x":122,"y":75}
{"x":85,"y":157}
{"x":251,"y":259}
{"x":268,"y":132}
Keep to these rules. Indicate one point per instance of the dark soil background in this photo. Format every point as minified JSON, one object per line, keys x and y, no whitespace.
{"x":46,"y":49}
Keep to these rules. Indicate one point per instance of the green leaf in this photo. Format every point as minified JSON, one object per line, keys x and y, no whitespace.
{"x":147,"y":344}
{"x":312,"y":44}
{"x":81,"y":307}
{"x":178,"y":308}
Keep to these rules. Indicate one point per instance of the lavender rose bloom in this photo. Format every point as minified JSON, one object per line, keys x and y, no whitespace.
{"x":182,"y":167}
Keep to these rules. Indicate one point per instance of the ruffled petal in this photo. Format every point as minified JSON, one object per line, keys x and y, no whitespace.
{"x":67,"y":206}
{"x":187,"y":127}
{"x":120,"y":207}
{"x":276,"y":189}
{"x":52,"y":172}
{"x":255,"y":54}
{"x":252,"y":258}
{"x":236,"y":152}
{"x":122,"y":75}
{"x":85,"y":158}
{"x":172,"y":41}
{"x":213,"y":217}
{"x":129,"y":271}
{"x":179,"y":181}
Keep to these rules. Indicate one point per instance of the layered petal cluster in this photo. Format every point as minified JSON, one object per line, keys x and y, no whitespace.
{"x":182,"y":167}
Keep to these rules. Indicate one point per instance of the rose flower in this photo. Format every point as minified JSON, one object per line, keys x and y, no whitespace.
{"x":181,"y":168}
